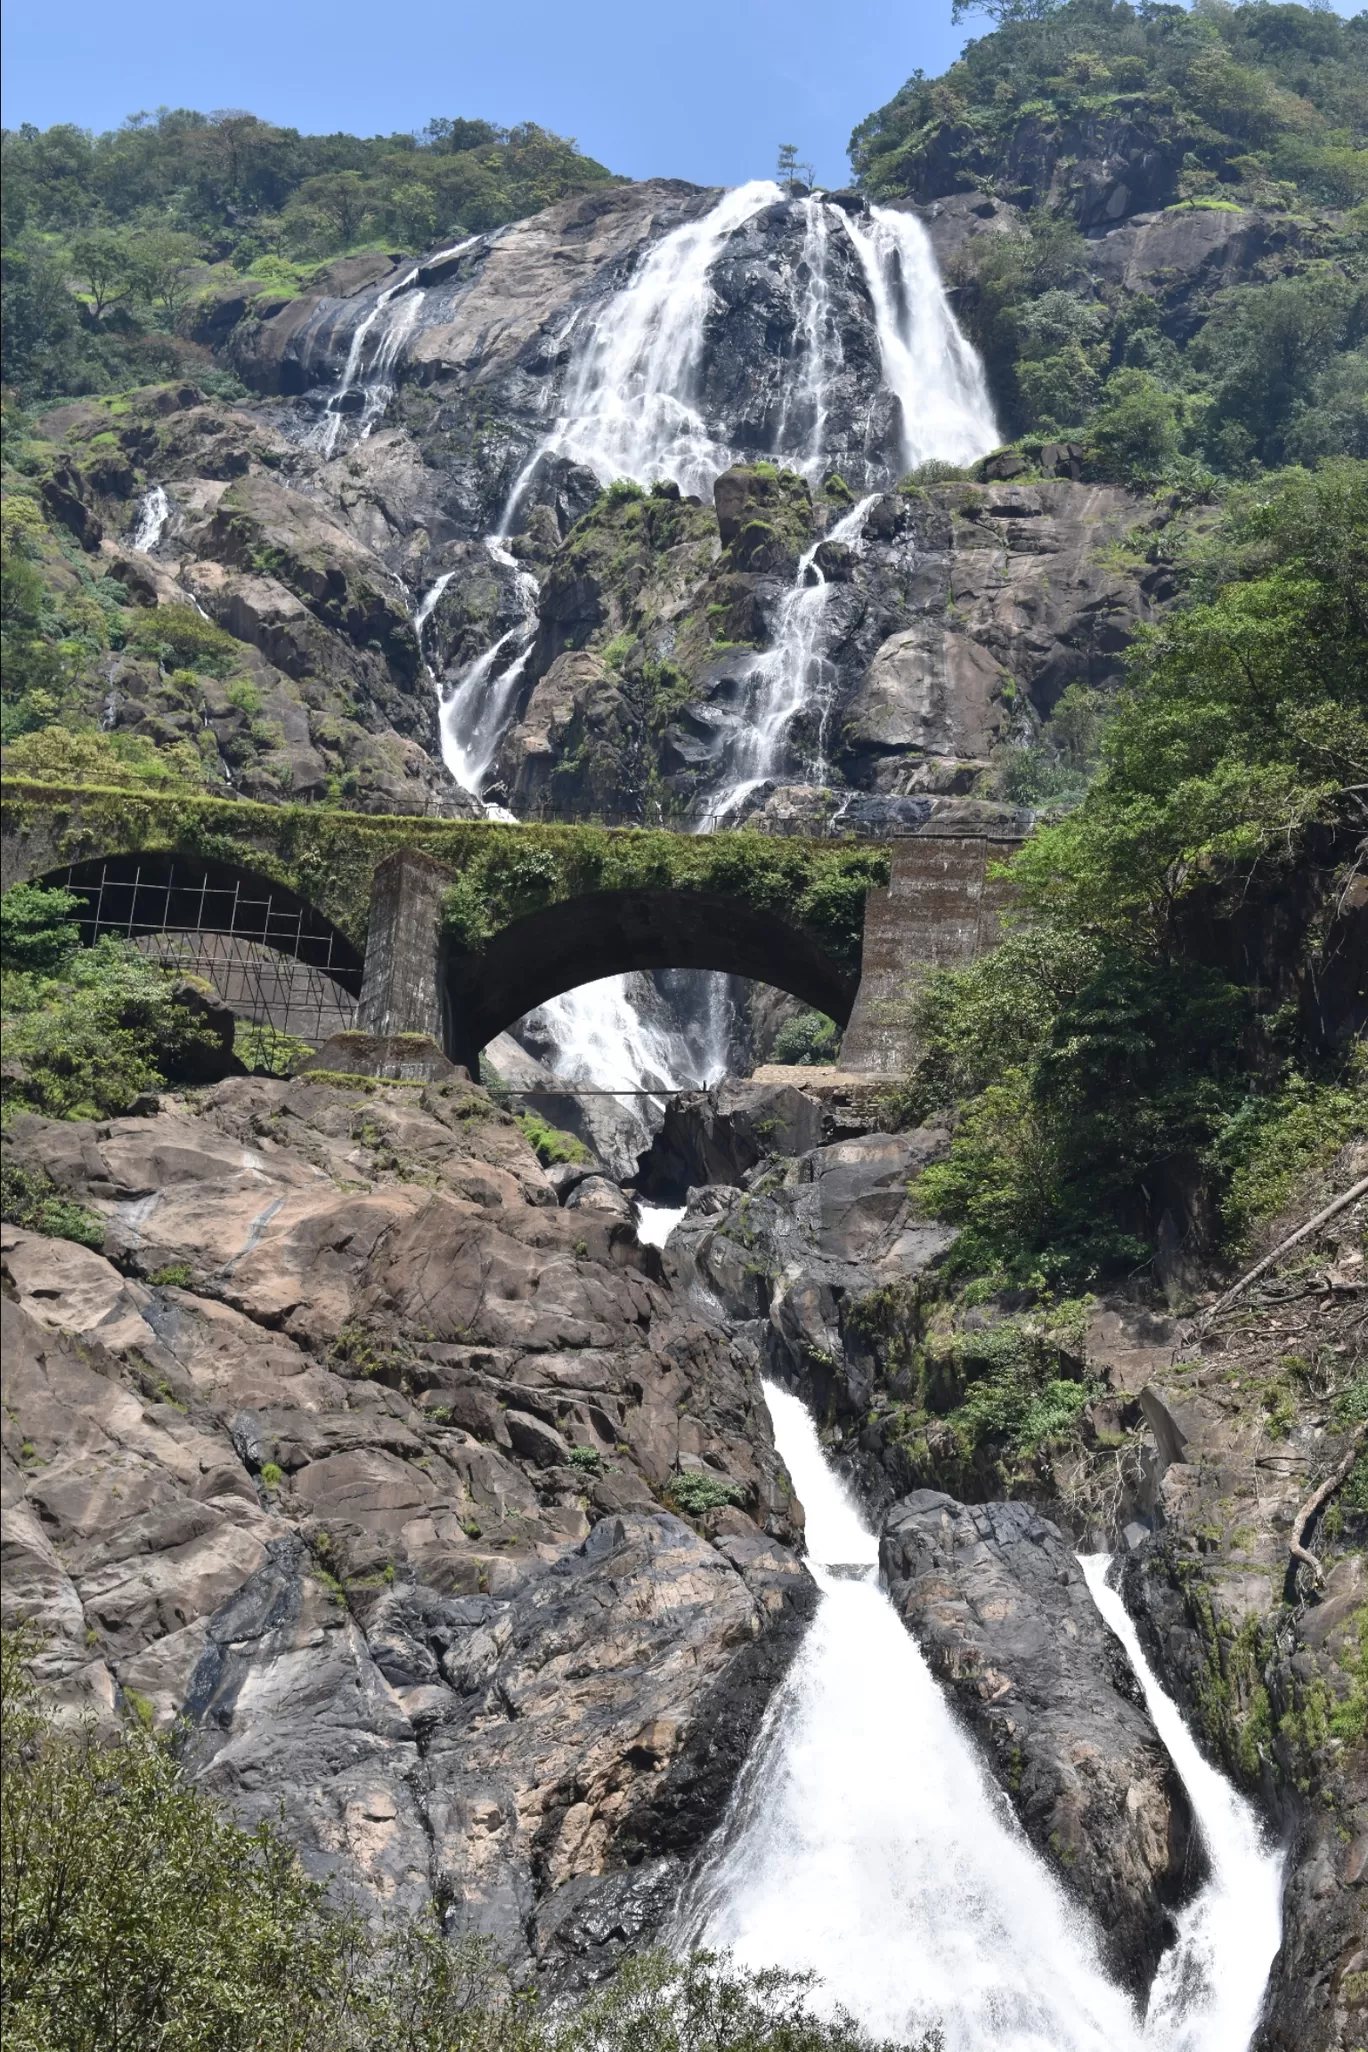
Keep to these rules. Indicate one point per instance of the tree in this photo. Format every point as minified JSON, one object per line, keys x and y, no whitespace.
{"x":331,"y":211}
{"x":165,"y":261}
{"x":109,"y":261}
{"x":1003,"y":11}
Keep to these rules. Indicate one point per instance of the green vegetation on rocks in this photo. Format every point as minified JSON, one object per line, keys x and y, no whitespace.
{"x":119,"y":247}
{"x":85,"y":1029}
{"x":1117,"y":1057}
{"x":137,"y":1913}
{"x":1078,"y":117}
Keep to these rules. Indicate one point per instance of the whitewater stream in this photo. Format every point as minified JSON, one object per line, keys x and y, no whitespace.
{"x":866,"y":1842}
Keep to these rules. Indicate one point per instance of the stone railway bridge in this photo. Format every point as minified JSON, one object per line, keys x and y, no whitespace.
{"x":315,"y":921}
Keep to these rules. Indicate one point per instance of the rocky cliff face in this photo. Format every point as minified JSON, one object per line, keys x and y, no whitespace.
{"x":365,"y":1459}
{"x":337,"y":523}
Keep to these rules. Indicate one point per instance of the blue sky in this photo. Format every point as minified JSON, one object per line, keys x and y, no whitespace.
{"x":699,"y":89}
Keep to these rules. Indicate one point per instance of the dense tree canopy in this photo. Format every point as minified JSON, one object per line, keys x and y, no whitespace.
{"x":109,"y":239}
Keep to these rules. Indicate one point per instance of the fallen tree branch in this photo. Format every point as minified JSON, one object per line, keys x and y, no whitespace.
{"x":1314,"y":1502}
{"x":1340,"y":1203}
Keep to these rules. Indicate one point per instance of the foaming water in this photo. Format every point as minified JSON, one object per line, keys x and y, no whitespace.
{"x":1209,"y":1989}
{"x":629,"y":404}
{"x":866,"y":1842}
{"x":655,"y":1222}
{"x":928,"y":364}
{"x":476,"y":714}
{"x":792,"y":676}
{"x":154,"y":510}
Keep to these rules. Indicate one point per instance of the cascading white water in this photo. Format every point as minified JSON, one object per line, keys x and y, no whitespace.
{"x":476,"y":713}
{"x":655,"y":1222}
{"x":375,"y":381}
{"x":154,"y":510}
{"x":786,"y":679}
{"x":802,"y":423}
{"x":1209,"y":1989}
{"x":425,"y":609}
{"x":927,"y":363}
{"x":628,"y":408}
{"x":865,"y":1842}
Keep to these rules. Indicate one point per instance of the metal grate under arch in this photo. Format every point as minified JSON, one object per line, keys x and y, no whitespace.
{"x":273,"y":957}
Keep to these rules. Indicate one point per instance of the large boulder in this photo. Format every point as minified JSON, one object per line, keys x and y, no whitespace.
{"x":360,"y":1463}
{"x":718,"y":1135}
{"x":994,"y":1595}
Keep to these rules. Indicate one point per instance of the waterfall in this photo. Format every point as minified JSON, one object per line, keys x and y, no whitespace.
{"x":154,"y":510}
{"x":928,"y":365}
{"x":784,"y":680}
{"x":802,"y":422}
{"x":424,"y":610}
{"x":1209,"y":1988}
{"x":865,"y":1841}
{"x":376,"y":382}
{"x":476,"y":713}
{"x":629,"y":404}
{"x":631,"y":408}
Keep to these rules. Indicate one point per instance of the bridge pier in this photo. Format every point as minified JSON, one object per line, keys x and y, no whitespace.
{"x":402,"y":986}
{"x":941,"y":910}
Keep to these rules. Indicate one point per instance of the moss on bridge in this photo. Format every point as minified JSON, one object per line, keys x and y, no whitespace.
{"x":501,"y":872}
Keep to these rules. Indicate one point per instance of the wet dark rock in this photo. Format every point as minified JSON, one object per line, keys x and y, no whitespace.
{"x":994,"y":1595}
{"x":717,"y":1135}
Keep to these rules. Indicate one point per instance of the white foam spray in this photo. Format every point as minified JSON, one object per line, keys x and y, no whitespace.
{"x":1209,"y":1989}
{"x":866,"y":1842}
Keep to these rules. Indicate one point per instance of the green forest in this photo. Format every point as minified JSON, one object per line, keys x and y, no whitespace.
{"x":112,"y":242}
{"x":1254,"y":111}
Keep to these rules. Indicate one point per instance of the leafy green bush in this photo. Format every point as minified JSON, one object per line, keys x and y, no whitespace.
{"x":182,"y":639}
{"x":38,"y":929}
{"x":31,"y":1200}
{"x":695,"y":1492}
{"x":136,"y":1913}
{"x":807,"y":1041}
{"x":84,"y":1043}
{"x":67,"y":754}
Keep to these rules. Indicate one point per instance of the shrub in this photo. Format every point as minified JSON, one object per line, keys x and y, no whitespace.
{"x":38,"y":927}
{"x":84,"y":1044}
{"x":807,"y":1041}
{"x":182,"y":639}
{"x":59,"y":754}
{"x":136,"y":1913}
{"x":695,"y":1492}
{"x":28,"y":1198}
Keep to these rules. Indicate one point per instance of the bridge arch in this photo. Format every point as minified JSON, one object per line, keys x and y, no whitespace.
{"x":275,"y":958}
{"x":608,"y":933}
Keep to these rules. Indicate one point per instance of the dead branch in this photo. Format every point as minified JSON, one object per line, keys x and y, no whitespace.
{"x":1316,"y":1499}
{"x":1340,"y":1203}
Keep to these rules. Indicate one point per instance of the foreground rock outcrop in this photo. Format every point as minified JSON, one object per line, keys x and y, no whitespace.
{"x":362,"y":1460}
{"x":994,"y":1595}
